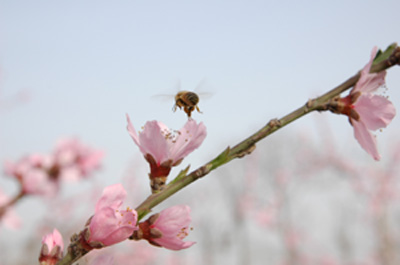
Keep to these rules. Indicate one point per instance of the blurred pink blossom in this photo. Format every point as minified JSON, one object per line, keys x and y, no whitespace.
{"x":110,"y":225}
{"x":173,"y":223}
{"x":41,"y":174}
{"x":267,"y":217}
{"x":292,"y":238}
{"x":102,"y":259}
{"x":76,"y":159}
{"x":7,"y":215}
{"x":52,"y":248}
{"x":368,"y":112}
{"x":31,"y":173}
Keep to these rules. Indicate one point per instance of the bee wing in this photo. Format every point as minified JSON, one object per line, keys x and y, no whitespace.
{"x":205,"y":95}
{"x":202,"y":89}
{"x":168,"y":96}
{"x":163,"y":97}
{"x":200,"y":85}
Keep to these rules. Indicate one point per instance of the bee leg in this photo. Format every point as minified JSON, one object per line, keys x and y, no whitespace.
{"x":198,"y":110}
{"x":188,"y":111}
{"x":174,"y":107}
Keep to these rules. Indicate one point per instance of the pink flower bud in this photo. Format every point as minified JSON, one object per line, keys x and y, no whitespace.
{"x":52,"y":248}
{"x":110,"y":224}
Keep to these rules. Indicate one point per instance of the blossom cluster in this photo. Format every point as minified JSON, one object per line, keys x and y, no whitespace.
{"x":111,"y":223}
{"x":41,"y":174}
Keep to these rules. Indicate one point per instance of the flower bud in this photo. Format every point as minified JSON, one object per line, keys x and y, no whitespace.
{"x":52,"y":248}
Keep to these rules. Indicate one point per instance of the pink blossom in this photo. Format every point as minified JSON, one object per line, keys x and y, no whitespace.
{"x":367,"y":111}
{"x":110,"y":225}
{"x":7,"y":215}
{"x":173,"y":223}
{"x":41,"y":174}
{"x":31,"y":173}
{"x":52,"y":248}
{"x":164,"y":148}
{"x":374,"y":112}
{"x":75,"y":159}
{"x":164,"y":145}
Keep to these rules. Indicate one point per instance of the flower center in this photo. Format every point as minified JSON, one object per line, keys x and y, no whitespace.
{"x":184,"y":232}
{"x":171,"y":135}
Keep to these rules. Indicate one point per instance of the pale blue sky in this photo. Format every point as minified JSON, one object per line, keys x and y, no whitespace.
{"x":87,"y":63}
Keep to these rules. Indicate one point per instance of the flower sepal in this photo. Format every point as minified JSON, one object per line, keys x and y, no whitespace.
{"x":85,"y":240}
{"x":147,"y":231}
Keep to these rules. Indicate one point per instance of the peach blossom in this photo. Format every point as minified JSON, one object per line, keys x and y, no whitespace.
{"x":110,"y":224}
{"x":367,"y":111}
{"x":165,"y":145}
{"x":173,"y":223}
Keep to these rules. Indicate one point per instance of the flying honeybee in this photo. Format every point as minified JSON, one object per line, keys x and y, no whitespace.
{"x":185,"y":99}
{"x":188,"y":101}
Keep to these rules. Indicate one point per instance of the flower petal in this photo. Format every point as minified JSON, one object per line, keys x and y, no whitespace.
{"x":102,"y":224}
{"x":369,"y":82}
{"x":154,"y":141}
{"x":132,"y":131}
{"x":151,"y":140}
{"x":375,"y":111}
{"x":173,"y":243}
{"x":365,"y":139}
{"x":53,"y":239}
{"x":173,"y":223}
{"x":191,"y":137}
{"x":112,"y":197}
{"x":109,"y":226}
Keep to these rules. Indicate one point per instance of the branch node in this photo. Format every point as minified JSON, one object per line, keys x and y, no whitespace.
{"x":394,"y":57}
{"x":274,"y":123}
{"x":247,"y":151}
{"x":309,"y":104}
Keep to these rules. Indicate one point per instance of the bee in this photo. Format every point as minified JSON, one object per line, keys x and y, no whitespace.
{"x":188,"y":101}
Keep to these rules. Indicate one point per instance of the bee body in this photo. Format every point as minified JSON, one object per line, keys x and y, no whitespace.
{"x":188,"y":101}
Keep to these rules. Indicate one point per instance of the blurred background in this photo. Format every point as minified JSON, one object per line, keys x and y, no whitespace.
{"x":308,"y":195}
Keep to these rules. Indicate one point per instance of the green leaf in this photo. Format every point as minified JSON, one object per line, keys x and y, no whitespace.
{"x":221,"y":159}
{"x":181,"y":174}
{"x":381,"y":56}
